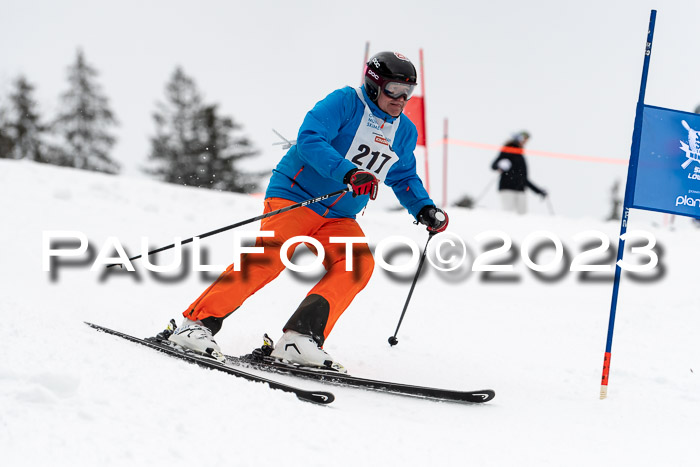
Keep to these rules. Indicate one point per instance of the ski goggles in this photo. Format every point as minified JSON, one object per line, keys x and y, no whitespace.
{"x":395,"y":89}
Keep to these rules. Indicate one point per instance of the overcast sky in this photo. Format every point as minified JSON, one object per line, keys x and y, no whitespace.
{"x":568,"y":72}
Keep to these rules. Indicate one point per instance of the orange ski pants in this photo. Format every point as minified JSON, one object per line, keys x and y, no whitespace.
{"x":326,"y":301}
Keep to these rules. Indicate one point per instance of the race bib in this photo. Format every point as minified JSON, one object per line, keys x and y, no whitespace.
{"x":371,"y":148}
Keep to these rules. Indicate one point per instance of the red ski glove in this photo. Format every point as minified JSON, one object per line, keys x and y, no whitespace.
{"x":362,"y":183}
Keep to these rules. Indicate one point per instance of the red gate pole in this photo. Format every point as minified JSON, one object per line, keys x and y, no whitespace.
{"x":444,"y":166}
{"x":425,"y":125}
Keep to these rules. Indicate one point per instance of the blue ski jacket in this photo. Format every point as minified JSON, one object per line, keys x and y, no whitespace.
{"x":316,"y":164}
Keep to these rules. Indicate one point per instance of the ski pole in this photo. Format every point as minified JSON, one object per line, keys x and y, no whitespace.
{"x":238,"y":224}
{"x":393,"y":340}
{"x":549,"y":205}
{"x":486,"y":189}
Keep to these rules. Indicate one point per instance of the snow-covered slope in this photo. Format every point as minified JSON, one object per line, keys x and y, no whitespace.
{"x":71,"y":396}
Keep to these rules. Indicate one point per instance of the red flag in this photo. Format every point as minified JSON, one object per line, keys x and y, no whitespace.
{"x":415,"y":110}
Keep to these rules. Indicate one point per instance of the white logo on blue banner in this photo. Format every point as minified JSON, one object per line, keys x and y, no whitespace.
{"x":668,"y":174}
{"x":691,"y":148}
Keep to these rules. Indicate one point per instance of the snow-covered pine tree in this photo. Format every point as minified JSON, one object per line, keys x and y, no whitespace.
{"x":84,"y":121}
{"x":193,"y":144}
{"x":23,"y":135}
{"x":174,"y":145}
{"x":222,"y":150}
{"x":6,"y":143}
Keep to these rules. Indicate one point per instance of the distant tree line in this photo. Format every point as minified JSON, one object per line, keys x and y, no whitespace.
{"x":193,"y":145}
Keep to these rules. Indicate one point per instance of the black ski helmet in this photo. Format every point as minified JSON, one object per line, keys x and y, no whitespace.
{"x":386,"y":67}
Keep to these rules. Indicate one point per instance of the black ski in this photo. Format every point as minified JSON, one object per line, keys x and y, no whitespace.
{"x":319,"y":397}
{"x":258,"y":361}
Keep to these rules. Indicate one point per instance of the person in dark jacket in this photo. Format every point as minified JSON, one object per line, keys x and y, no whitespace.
{"x":511,"y":164}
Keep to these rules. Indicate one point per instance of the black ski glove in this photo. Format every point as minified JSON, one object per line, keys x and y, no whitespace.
{"x":435,"y":218}
{"x":362,"y":183}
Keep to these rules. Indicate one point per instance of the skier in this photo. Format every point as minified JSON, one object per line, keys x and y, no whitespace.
{"x":513,"y":169}
{"x":355,"y":138}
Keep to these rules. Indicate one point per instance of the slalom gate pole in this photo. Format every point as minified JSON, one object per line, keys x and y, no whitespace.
{"x":238,"y":224}
{"x":425,"y":127}
{"x":444,"y":165}
{"x":629,"y":195}
{"x":393,"y":340}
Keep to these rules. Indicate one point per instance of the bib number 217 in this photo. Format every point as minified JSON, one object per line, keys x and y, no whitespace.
{"x":376,"y":157}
